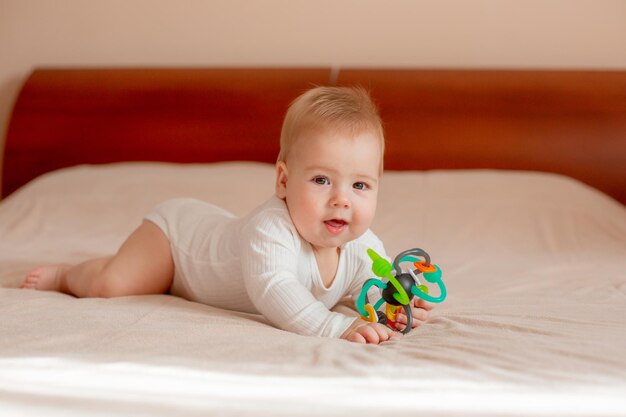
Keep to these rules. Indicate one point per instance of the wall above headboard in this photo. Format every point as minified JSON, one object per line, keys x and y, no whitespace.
{"x":568,"y":122}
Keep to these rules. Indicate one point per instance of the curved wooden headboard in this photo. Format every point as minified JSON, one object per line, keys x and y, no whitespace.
{"x":65,"y":117}
{"x":567,"y":122}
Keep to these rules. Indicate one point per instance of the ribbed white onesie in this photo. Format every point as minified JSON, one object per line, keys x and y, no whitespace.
{"x":259,"y":264}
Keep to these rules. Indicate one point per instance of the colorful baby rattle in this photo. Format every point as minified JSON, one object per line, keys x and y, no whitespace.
{"x":400,"y":287}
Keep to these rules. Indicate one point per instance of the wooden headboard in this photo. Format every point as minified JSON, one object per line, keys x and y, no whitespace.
{"x":567,"y":122}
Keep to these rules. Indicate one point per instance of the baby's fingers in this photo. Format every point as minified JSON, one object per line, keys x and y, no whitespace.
{"x":419,"y":314}
{"x":385,"y":333}
{"x":420,"y":303}
{"x":401,"y":318}
{"x":370,"y":333}
{"x":375,"y":333}
{"x":356,"y":337}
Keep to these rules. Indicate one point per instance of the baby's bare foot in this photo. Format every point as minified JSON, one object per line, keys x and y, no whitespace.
{"x":45,"y":278}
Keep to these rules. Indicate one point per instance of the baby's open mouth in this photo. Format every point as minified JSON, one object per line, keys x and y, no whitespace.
{"x":335,"y":226}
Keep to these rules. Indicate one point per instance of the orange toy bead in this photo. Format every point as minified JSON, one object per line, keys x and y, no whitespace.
{"x":424,"y":268}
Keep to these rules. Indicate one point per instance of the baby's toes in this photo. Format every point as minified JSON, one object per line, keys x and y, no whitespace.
{"x":30,"y":281}
{"x":44,"y":278}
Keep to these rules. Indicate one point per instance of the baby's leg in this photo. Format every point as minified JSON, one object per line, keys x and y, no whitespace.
{"x":143,"y":265}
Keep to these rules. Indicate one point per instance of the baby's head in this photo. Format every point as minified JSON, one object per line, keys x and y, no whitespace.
{"x":346,"y":109}
{"x":330,"y":163}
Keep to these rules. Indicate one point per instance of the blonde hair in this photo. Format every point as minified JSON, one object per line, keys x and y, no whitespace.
{"x":343,"y":108}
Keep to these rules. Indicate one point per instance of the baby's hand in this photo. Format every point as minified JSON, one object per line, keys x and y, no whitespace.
{"x":420,"y":309}
{"x":365,"y":332}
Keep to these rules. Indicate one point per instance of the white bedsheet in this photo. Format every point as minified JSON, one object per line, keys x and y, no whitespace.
{"x":534,"y":324}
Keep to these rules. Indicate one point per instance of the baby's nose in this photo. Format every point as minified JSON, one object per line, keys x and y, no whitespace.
{"x":340,"y":202}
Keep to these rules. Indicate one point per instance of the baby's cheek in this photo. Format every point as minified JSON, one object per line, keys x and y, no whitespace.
{"x":366,"y":216}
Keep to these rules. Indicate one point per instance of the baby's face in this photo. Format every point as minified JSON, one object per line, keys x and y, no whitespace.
{"x":330,"y":184}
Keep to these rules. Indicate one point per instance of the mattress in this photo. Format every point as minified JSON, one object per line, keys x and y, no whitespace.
{"x":534,"y":323}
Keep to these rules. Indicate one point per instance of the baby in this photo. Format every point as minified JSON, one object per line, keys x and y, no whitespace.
{"x":293,"y":258}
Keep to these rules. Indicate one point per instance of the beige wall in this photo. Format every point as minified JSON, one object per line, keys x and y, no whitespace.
{"x":416,"y":33}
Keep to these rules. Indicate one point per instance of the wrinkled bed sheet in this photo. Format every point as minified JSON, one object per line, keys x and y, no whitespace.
{"x":534,"y":323}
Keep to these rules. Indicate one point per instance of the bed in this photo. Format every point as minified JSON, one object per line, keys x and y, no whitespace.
{"x":513,"y":181}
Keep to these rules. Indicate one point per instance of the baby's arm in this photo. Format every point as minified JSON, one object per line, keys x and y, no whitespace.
{"x":270,"y":258}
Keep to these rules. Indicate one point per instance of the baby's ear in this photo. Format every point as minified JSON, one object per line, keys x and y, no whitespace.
{"x":281,"y":180}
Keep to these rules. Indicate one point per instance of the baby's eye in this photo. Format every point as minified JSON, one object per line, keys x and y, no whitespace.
{"x":360,"y":186}
{"x":321,"y":180}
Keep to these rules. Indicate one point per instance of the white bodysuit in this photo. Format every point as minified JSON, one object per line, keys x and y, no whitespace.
{"x":259,"y":264}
